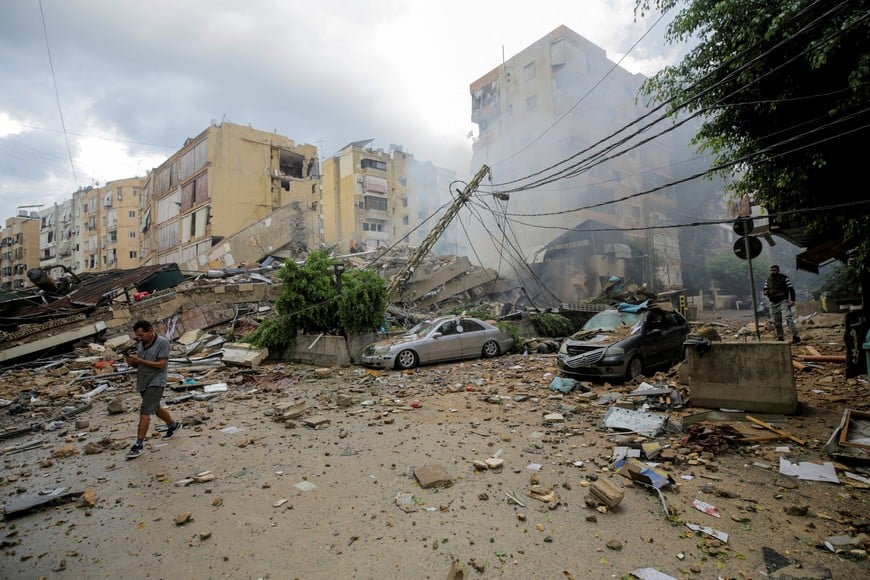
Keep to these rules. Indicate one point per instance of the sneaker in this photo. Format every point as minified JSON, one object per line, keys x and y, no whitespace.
{"x":170,"y":431}
{"x":795,"y":339}
{"x":135,"y":452}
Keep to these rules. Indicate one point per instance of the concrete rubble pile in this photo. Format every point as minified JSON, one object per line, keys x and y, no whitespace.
{"x":534,"y":445}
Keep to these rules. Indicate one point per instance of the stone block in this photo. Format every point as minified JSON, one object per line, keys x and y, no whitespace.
{"x":433,"y":475}
{"x":607,"y":492}
{"x":241,"y":354}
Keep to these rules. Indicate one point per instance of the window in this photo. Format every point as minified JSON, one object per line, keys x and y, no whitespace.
{"x":375,"y":202}
{"x":529,"y":71}
{"x":133,"y":235}
{"x":405,"y":201}
{"x":470,"y":325}
{"x":532,"y":103}
{"x":405,"y":221}
{"x":131,"y":213}
{"x":133,"y":254}
{"x":373,"y":164}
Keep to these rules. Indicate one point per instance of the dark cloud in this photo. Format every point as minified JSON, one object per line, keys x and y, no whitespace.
{"x":148,"y":75}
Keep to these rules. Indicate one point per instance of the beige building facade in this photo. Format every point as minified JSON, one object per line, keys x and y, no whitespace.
{"x":105,"y":227}
{"x":222,"y":181}
{"x":19,"y":250}
{"x":207,"y":201}
{"x":374,"y":198}
{"x":357,"y":183}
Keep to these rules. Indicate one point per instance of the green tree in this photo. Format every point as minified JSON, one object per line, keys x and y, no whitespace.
{"x":781,"y":87}
{"x":731,"y":274}
{"x":310,"y":302}
{"x":841,"y":281}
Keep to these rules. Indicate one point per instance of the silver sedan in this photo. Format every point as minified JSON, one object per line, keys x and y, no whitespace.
{"x":442,"y":339}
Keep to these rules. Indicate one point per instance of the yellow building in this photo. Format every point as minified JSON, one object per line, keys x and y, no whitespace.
{"x":356,"y":185}
{"x":120,"y":221}
{"x":19,"y":250}
{"x":223,"y":180}
{"x":105,"y":232}
{"x":374,"y":198}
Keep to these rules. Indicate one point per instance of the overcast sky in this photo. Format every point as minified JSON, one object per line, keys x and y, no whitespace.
{"x":131,"y":80}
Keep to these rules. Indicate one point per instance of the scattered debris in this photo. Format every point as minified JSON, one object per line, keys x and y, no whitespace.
{"x":28,"y":503}
{"x":809,"y":470}
{"x":721,"y":536}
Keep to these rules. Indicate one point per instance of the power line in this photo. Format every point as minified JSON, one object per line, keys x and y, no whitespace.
{"x":578,"y":166}
{"x":784,"y":213}
{"x":717,"y":168}
{"x":587,"y":93}
{"x":57,"y":95}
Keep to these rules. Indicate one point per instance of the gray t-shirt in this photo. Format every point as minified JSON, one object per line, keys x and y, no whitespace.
{"x":146,"y":376}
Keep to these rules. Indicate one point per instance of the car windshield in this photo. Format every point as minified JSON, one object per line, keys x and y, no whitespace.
{"x":421,"y":328}
{"x":612,"y":320}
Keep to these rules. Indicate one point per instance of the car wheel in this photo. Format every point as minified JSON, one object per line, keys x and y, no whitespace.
{"x":491,"y":349}
{"x":407,"y":359}
{"x":633,"y":368}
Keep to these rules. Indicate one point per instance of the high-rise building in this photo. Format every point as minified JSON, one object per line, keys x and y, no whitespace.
{"x":562,"y":115}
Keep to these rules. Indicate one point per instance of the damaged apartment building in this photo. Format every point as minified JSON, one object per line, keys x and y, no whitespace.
{"x":233,"y":196}
{"x":554,"y":101}
{"x":220,"y":182}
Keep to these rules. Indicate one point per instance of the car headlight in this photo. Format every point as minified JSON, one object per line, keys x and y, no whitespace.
{"x":564,"y":348}
{"x":378,"y":350}
{"x":614,"y":350}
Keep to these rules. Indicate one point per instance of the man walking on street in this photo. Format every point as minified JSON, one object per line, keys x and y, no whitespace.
{"x":780,"y":293}
{"x":151,"y":361}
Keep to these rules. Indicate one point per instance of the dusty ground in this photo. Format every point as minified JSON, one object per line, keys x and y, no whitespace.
{"x":364,"y":515}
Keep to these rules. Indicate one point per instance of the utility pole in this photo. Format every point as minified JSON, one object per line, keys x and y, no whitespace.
{"x":414,"y":260}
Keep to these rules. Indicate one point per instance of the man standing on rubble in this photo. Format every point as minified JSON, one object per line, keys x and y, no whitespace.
{"x":780,"y":293}
{"x":151,"y":361}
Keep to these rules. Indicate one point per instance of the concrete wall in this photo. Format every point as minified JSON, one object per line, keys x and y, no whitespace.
{"x":755,"y":377}
{"x":327,"y":350}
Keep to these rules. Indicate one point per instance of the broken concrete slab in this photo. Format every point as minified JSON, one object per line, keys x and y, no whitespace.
{"x":242,"y":354}
{"x":285,"y":411}
{"x":190,"y":337}
{"x":650,"y":424}
{"x":62,"y":337}
{"x":25,"y":504}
